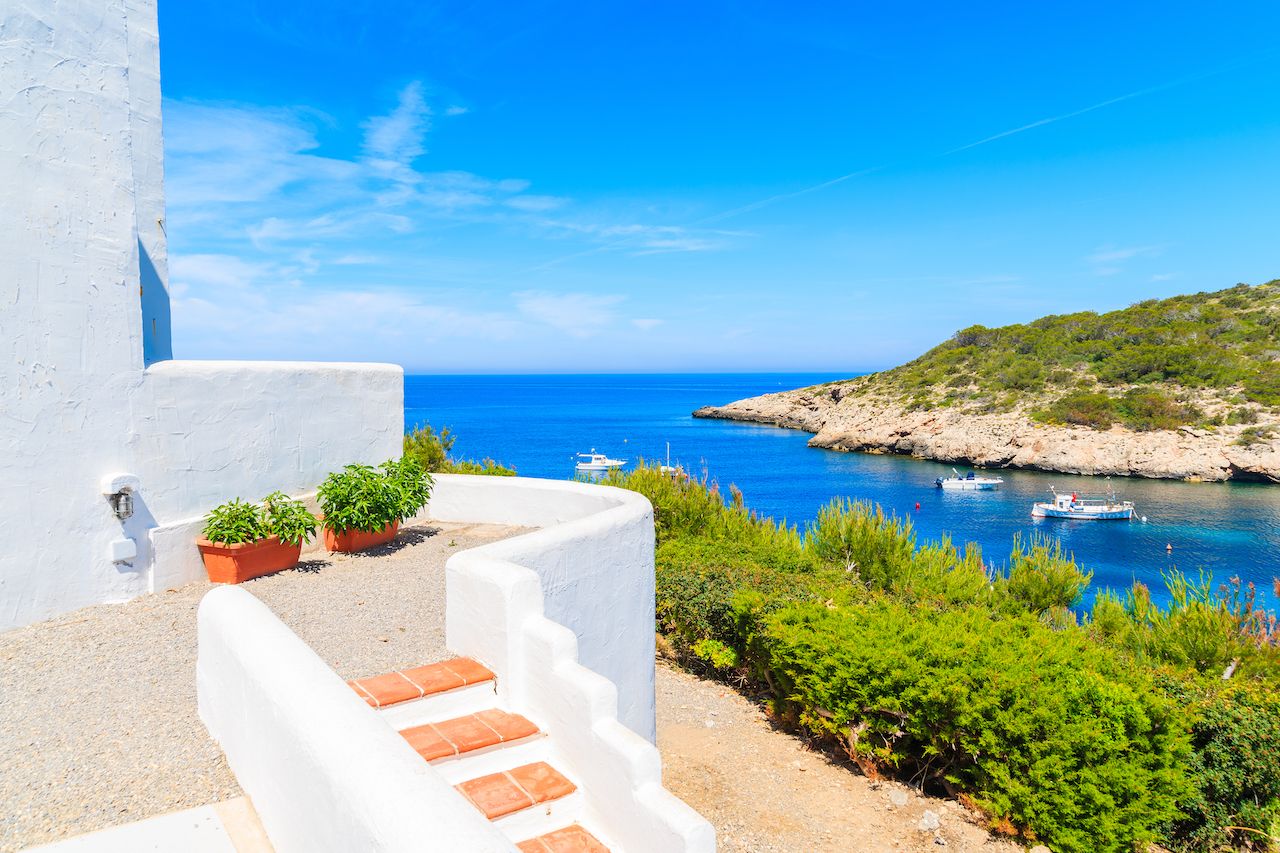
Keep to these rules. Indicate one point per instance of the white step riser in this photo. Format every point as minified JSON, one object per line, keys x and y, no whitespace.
{"x":494,"y":759}
{"x":542,"y":818}
{"x":441,"y":706}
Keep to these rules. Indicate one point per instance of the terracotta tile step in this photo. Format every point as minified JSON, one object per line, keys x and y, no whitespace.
{"x":393,"y":688}
{"x":466,"y":734}
{"x":571,"y":839}
{"x":510,"y":791}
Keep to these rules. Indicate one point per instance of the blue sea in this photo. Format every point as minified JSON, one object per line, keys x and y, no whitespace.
{"x":538,"y":423}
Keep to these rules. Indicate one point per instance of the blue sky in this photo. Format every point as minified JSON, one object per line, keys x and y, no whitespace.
{"x":543,"y":186}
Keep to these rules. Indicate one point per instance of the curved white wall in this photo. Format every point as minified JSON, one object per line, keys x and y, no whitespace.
{"x":594,"y":562}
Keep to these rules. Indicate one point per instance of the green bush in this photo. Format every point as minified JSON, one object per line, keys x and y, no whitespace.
{"x":1139,"y":409}
{"x":361,"y":497}
{"x":1039,"y":728}
{"x":1235,"y":767}
{"x":288,"y":519}
{"x":238,"y":521}
{"x":432,"y":452}
{"x":1253,"y":435}
{"x":698,"y":582}
{"x":1041,"y":577}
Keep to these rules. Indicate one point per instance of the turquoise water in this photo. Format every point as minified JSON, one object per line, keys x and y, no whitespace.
{"x":537,"y":423}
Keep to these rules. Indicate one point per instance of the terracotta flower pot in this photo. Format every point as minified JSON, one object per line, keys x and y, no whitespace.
{"x":349,"y":541}
{"x":246,"y":560}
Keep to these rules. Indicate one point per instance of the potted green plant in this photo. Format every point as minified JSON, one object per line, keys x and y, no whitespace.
{"x":244,"y":540}
{"x":363,"y":506}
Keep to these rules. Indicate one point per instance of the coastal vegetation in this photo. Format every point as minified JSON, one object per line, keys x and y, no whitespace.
{"x":1101,"y":728}
{"x":1203,"y":359}
{"x":431,"y":449}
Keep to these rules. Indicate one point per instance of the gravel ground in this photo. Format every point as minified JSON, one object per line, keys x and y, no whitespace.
{"x":98,"y":722}
{"x":766,"y":792}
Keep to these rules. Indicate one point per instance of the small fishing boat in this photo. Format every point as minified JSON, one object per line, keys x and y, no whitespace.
{"x":597,"y":462}
{"x":971,"y":482}
{"x":1084,"y":509}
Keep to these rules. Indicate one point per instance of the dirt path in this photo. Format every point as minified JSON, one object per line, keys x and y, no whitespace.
{"x":766,"y":793}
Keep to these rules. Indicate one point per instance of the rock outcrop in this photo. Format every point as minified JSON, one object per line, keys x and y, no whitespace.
{"x":844,"y":418}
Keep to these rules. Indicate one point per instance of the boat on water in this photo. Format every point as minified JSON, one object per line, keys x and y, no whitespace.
{"x":1085,"y":509}
{"x":667,"y":469}
{"x":596,"y":463}
{"x":970,"y":482}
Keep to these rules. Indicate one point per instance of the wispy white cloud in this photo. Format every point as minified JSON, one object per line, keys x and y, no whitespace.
{"x":224,"y":306}
{"x":644,"y":324}
{"x":1111,"y":260}
{"x":577,"y":314}
{"x":395,"y":140}
{"x":1110,"y":255}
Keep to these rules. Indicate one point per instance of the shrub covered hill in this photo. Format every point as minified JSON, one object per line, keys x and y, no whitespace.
{"x":1185,"y":387}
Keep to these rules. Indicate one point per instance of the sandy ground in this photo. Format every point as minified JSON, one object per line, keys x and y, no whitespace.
{"x":765,"y":792}
{"x":98,"y":722}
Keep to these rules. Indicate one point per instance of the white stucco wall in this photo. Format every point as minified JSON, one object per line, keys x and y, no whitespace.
{"x":84,"y":250}
{"x":593,"y":559}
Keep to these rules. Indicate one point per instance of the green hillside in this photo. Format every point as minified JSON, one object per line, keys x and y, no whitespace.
{"x":1203,"y":359}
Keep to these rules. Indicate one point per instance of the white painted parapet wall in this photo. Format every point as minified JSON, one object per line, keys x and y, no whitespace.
{"x":324,"y":771}
{"x":322,"y":777}
{"x":592,"y":560}
{"x":564,"y":617}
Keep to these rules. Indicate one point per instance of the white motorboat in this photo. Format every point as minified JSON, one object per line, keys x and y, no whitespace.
{"x":971,"y":482}
{"x":1084,"y":509}
{"x":593,"y":463}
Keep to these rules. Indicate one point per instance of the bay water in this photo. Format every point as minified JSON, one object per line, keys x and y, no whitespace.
{"x":537,"y":423}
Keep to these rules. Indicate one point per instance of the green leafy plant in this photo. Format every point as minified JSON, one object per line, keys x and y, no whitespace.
{"x":236,"y":521}
{"x":362,"y":497}
{"x":411,"y":483}
{"x":288,"y":519}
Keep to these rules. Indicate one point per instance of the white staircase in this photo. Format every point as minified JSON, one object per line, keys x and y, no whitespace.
{"x":500,"y":761}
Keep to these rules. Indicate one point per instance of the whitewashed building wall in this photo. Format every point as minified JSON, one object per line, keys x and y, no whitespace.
{"x":87,"y":387}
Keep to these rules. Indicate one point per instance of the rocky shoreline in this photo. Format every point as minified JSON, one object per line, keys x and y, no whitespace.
{"x":842,"y":419}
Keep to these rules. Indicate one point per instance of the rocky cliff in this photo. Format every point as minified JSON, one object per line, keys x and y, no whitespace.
{"x":850,"y":417}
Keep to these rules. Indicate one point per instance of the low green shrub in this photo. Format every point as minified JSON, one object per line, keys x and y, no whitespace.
{"x":1252,"y":435}
{"x":1041,"y":577}
{"x":1138,"y":408}
{"x":237,"y":521}
{"x":431,"y":449}
{"x":698,"y":582}
{"x":1041,"y":729}
{"x":288,"y":519}
{"x":361,"y":497}
{"x":1234,"y":768}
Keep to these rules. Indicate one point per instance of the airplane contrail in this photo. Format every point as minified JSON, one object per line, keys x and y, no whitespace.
{"x":773,"y":199}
